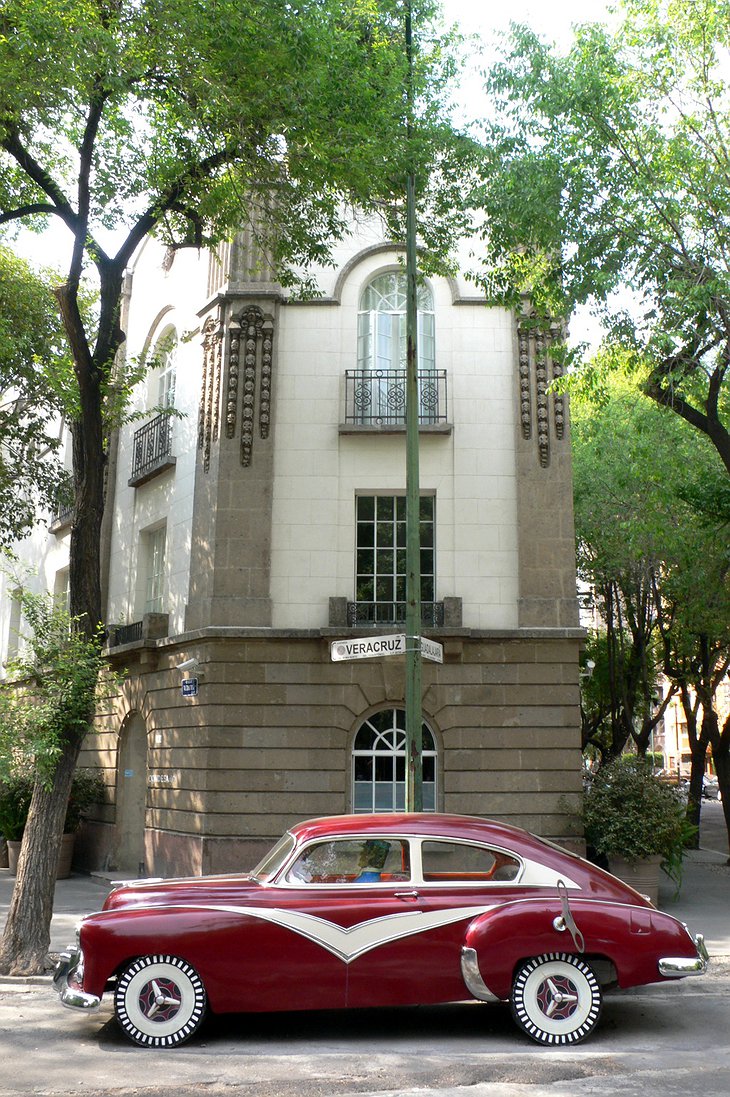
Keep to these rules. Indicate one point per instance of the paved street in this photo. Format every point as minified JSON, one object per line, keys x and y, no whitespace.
{"x":660,"y":1040}
{"x":657,"y":1041}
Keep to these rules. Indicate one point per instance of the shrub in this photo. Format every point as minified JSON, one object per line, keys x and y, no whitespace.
{"x":628,"y":812}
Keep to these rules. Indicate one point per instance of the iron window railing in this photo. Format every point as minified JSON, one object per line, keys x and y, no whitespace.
{"x":392,"y":613}
{"x":152,"y":443}
{"x":378,"y":397}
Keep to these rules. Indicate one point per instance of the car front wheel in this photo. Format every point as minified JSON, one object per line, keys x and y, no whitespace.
{"x":159,"y":1001}
{"x":556,"y":998}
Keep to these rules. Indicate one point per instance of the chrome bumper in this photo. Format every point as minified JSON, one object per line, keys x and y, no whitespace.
{"x":73,"y":997}
{"x":677,"y":966}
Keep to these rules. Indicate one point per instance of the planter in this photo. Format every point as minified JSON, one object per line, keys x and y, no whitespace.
{"x":64,"y":861}
{"x":641,"y":875}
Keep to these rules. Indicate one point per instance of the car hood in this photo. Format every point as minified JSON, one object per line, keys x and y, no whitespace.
{"x":183,"y":891}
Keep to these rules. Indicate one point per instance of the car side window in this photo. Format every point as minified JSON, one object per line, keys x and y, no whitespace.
{"x":459,"y":862}
{"x":353,"y":861}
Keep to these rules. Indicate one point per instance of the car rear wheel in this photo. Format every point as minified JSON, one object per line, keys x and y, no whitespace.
{"x":159,"y":1001}
{"x":556,"y":999}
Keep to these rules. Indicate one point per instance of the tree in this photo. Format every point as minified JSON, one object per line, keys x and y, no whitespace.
{"x":188,"y":119}
{"x":34,"y":362}
{"x":659,"y":561}
{"x":623,"y":500}
{"x":607,"y":171}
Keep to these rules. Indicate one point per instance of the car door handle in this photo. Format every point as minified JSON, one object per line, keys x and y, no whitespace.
{"x":406,"y":894}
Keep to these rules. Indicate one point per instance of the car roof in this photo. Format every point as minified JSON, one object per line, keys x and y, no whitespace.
{"x":427,"y":824}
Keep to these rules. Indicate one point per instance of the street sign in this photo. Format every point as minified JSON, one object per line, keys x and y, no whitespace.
{"x":432,"y":650}
{"x":368,"y":647}
{"x":189,"y":687}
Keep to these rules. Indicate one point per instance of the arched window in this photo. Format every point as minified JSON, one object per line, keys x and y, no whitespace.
{"x":165,"y":356}
{"x":379,"y":764}
{"x":381,"y":342}
{"x":380,"y":379}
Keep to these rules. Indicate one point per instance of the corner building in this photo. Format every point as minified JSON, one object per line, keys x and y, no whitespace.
{"x":264,"y":520}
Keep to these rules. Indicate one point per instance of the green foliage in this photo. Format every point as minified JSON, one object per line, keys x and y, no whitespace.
{"x":55,"y":684}
{"x":16,"y":791}
{"x":205,"y":116}
{"x":652,"y":544}
{"x":606,"y":176}
{"x":34,"y":371}
{"x":15,"y":796}
{"x":628,"y":812}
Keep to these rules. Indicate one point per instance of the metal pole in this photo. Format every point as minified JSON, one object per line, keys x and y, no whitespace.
{"x":414,"y":744}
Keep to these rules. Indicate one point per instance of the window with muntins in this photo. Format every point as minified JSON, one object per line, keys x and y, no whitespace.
{"x":154,"y":545}
{"x":379,"y":764}
{"x":379,"y":383}
{"x":380,"y":566}
{"x":381,"y":342}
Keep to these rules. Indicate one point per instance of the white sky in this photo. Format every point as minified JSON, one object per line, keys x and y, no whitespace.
{"x":489,"y":22}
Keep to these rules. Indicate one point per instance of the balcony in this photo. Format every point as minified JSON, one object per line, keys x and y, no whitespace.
{"x":375,"y":401}
{"x":63,"y":510}
{"x":151,"y":450}
{"x":153,"y":626}
{"x":392,"y":613}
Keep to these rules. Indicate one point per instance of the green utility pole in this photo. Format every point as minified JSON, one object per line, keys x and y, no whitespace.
{"x":414,"y":743}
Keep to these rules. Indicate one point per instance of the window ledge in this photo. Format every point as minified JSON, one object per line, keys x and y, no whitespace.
{"x":393,"y":428}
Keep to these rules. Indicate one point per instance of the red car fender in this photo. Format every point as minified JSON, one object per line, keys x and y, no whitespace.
{"x":112,"y":938}
{"x":633,"y":938}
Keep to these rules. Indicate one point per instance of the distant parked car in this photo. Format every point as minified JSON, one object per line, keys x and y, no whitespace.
{"x":710,"y":788}
{"x":378,"y":910}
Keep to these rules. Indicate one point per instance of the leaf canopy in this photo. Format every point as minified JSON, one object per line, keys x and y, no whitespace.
{"x":607,"y":173}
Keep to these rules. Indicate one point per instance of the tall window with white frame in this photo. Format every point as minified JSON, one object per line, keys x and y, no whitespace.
{"x":166,"y":354}
{"x":154,"y":543}
{"x":380,"y":564}
{"x":379,"y":764}
{"x":379,"y":392}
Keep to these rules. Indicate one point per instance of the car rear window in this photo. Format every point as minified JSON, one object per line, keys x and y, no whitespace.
{"x":455,"y":862}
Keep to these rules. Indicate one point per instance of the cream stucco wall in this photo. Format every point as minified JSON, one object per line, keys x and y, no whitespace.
{"x":319,"y":471}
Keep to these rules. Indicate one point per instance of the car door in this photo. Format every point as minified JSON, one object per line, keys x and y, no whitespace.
{"x":419,"y":959}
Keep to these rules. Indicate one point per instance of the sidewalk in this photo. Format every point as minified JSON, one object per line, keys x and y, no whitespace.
{"x":703,"y":903}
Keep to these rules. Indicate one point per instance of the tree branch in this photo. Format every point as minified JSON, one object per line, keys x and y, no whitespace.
{"x":12,"y":144}
{"x":171,"y":199}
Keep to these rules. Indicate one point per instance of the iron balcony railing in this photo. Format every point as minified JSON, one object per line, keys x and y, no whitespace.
{"x":392,"y":613}
{"x":152,"y":443}
{"x":126,"y":634}
{"x":378,"y":397}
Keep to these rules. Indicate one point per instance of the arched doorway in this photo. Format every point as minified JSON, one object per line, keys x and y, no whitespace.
{"x":131,"y":795}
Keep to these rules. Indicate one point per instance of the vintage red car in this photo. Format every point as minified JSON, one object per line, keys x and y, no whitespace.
{"x":378,"y":910}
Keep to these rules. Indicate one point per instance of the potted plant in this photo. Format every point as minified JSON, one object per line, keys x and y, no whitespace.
{"x":15,"y":796}
{"x":636,"y":822}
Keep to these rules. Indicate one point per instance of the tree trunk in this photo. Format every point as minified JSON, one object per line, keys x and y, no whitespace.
{"x":24,"y":948}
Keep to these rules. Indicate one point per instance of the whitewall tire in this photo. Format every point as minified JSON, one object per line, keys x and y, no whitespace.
{"x":159,"y":1001}
{"x":556,"y":998}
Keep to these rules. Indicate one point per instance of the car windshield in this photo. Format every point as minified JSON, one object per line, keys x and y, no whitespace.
{"x":274,"y":859}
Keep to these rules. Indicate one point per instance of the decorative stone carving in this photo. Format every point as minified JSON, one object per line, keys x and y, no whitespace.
{"x":536,"y":371}
{"x":210,"y":389}
{"x":250,"y":345}
{"x":234,"y":346}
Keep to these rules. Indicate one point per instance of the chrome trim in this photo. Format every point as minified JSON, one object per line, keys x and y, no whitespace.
{"x":72,"y":997}
{"x":472,"y":976}
{"x":680,"y":966}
